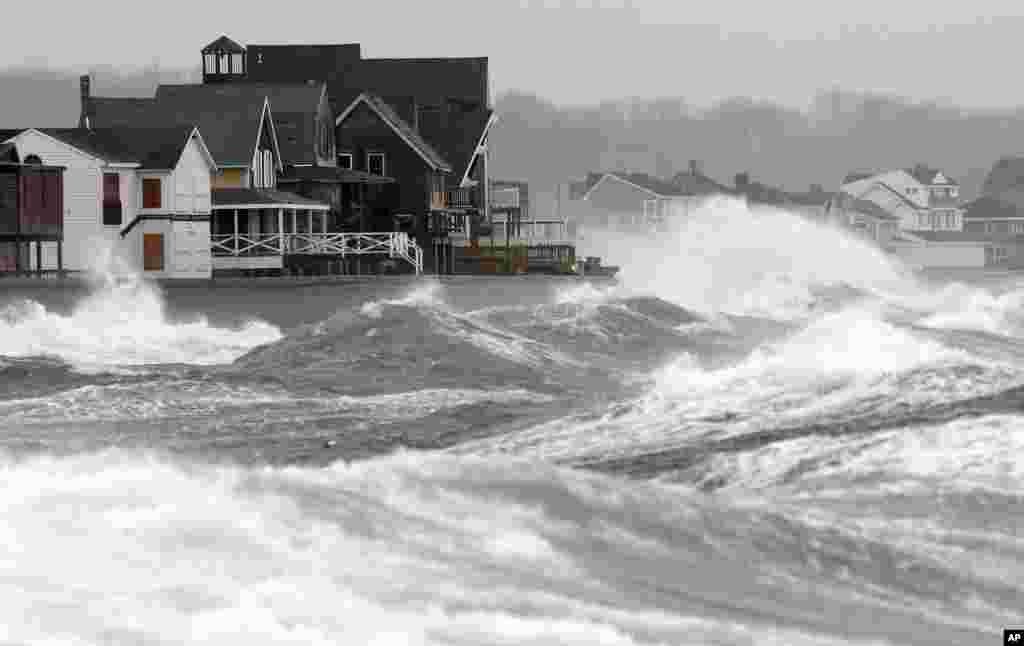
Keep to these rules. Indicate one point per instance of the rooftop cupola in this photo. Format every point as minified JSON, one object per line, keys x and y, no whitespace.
{"x":223,"y":61}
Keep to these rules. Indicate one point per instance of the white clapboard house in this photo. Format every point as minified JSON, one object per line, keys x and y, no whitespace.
{"x":142,"y":193}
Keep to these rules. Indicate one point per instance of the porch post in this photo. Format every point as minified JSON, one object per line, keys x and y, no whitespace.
{"x":60,"y":257}
{"x":236,"y":231}
{"x":323,"y":221}
{"x":39,"y":257}
{"x":309,"y":221}
{"x":280,"y":229}
{"x":295,"y":221}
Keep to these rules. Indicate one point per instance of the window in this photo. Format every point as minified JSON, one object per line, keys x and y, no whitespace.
{"x":153,"y":252}
{"x":375,"y":163}
{"x":236,"y":63}
{"x":151,"y":192}
{"x":1017,"y":227}
{"x":111,"y":199}
{"x":34,"y":160}
{"x":210,"y":64}
{"x":345,"y":160}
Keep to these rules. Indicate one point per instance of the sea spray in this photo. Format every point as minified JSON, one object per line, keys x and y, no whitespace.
{"x":122,"y":321}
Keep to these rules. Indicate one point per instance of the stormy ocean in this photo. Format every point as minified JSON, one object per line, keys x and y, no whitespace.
{"x":766,"y":432}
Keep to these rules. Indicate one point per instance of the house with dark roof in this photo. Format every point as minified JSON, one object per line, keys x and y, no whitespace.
{"x":238,"y":127}
{"x":141,"y":195}
{"x":444,"y":102}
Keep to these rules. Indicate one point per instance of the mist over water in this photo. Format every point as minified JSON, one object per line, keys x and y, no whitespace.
{"x":767,"y":432}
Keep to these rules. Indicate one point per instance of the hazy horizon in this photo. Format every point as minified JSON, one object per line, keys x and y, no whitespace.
{"x":584,"y":53}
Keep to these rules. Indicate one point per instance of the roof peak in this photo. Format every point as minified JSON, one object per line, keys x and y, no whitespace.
{"x":223,"y":45}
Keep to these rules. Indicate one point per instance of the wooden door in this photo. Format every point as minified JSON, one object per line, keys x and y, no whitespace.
{"x":153,"y":251}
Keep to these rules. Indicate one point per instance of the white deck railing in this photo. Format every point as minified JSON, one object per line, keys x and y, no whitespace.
{"x":395,"y":244}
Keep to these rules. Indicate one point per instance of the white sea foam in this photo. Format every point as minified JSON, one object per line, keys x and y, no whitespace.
{"x":123,"y":321}
{"x":124,"y":548}
{"x":726,"y":257}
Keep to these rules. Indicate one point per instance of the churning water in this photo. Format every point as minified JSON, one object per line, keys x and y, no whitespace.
{"x":767,"y":433}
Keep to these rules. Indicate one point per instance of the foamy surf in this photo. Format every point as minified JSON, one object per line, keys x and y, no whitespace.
{"x":123,"y":322}
{"x":126,"y":548}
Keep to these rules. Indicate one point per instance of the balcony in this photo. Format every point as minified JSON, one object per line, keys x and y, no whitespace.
{"x":455,"y":199}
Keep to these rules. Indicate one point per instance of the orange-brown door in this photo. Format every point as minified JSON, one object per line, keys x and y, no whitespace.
{"x":153,"y":251}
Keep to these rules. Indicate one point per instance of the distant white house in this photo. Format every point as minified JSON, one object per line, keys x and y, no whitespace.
{"x":924,"y":199}
{"x":144,"y":193}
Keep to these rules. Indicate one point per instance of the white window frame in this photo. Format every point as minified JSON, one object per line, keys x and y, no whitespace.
{"x":383,"y":162}
{"x":351,"y":160}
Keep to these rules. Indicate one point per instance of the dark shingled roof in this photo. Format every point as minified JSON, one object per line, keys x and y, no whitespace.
{"x":153,"y":148}
{"x":856,"y":177}
{"x":330,"y":175}
{"x":224,"y":44}
{"x":240,"y":196}
{"x":392,"y":118}
{"x":457,"y":142}
{"x":106,"y":112}
{"x":293,"y":105}
{"x":228,"y":122}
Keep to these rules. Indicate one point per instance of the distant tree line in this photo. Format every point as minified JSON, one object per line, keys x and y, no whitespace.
{"x":793,"y":149}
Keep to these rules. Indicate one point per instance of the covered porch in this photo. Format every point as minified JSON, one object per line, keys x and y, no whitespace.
{"x":257,"y":228}
{"x":351,"y":194}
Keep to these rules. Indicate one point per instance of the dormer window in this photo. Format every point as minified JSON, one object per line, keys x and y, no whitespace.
{"x":345,"y":161}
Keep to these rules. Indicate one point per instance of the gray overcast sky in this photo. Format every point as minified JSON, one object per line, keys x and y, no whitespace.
{"x":586,"y":50}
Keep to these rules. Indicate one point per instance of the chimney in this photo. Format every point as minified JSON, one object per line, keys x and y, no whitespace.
{"x":86,"y":106}
{"x":694,"y":167}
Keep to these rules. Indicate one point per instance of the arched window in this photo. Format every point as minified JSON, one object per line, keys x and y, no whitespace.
{"x":34,"y":159}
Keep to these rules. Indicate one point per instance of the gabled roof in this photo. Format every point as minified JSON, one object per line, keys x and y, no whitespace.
{"x":903,"y":198}
{"x":388,"y":115}
{"x":229,"y":122}
{"x":224,"y":44}
{"x":654,"y":186}
{"x":294,"y":107}
{"x":458,"y":142}
{"x":151,"y":148}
